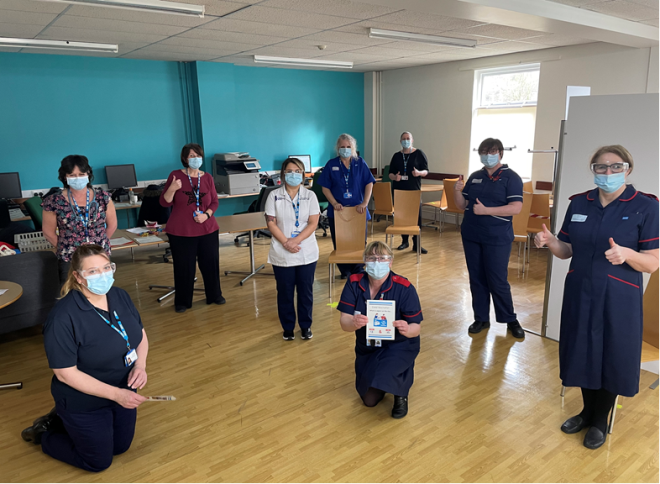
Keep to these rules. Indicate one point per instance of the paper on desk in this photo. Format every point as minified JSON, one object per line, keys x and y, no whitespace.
{"x":137,"y":230}
{"x":120,"y":241}
{"x":150,"y":239}
{"x":2,"y":291}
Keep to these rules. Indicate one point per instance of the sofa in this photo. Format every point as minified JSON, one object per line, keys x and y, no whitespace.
{"x":37,"y":273}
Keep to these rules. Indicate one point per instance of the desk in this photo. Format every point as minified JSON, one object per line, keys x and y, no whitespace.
{"x":245,"y":222}
{"x":133,"y":237}
{"x":15,"y":291}
{"x":432,"y":187}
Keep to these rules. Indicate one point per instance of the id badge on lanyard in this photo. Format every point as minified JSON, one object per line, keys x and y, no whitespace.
{"x":196,"y":192}
{"x":404,"y":177}
{"x":347,"y":193}
{"x":296,"y":210}
{"x":84,"y":218}
{"x":131,"y":356}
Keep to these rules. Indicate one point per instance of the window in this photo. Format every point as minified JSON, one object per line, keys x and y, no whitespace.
{"x":508,"y":86}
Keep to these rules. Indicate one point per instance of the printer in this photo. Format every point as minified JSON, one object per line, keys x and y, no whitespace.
{"x":236,"y":173}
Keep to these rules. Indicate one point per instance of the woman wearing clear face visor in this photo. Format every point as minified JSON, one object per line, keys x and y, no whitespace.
{"x":97,"y":348}
{"x":610,"y":233}
{"x":382,"y":366}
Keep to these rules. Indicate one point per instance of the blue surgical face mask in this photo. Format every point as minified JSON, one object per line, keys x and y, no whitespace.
{"x":610,"y":183}
{"x":406,"y":143}
{"x":100,"y":283}
{"x":77,"y":183}
{"x":345,"y":152}
{"x":293,"y":179}
{"x":377,"y":270}
{"x":490,"y":161}
{"x":194,"y":163}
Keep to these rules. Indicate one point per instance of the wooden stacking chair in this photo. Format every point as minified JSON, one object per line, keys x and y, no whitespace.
{"x":438,"y":206}
{"x":520,"y":234}
{"x":451,"y":204}
{"x":383,"y":204}
{"x":406,"y":213}
{"x":351,"y":237}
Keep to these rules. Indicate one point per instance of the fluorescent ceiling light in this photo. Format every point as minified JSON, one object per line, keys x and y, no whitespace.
{"x":426,"y":39}
{"x":290,"y":61}
{"x":148,"y":5}
{"x":58,"y":45}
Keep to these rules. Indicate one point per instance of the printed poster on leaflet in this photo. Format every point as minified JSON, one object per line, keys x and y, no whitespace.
{"x":381,"y":315}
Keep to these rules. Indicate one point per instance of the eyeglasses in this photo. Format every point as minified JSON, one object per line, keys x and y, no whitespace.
{"x":379,"y":258}
{"x":493,"y":151}
{"x":601,"y":168}
{"x":99,"y":270}
{"x":292,"y":171}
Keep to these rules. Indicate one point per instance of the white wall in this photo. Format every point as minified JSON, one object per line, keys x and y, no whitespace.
{"x":435,"y":102}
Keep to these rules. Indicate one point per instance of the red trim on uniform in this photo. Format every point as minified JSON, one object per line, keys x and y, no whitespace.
{"x":572,"y":270}
{"x":391,"y":284}
{"x":356,"y":277}
{"x":650,"y":195}
{"x":590,"y":199}
{"x":348,"y":304}
{"x":401,"y":280}
{"x":412,"y":315}
{"x":628,"y":199}
{"x":649,"y":240}
{"x":578,"y":194}
{"x":625,"y":282}
{"x":564,"y":233}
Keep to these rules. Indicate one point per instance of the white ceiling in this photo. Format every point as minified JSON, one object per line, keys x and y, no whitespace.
{"x":233,"y":31}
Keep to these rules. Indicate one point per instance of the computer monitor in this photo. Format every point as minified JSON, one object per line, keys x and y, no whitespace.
{"x":10,"y":185}
{"x":307,"y":161}
{"x":120,"y":176}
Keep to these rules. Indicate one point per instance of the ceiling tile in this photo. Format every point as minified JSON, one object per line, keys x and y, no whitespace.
{"x":22,"y":31}
{"x":355,"y":57}
{"x":647,"y":3}
{"x":87,"y":35}
{"x":135,"y":16}
{"x":481,"y":40}
{"x":512,"y":46}
{"x":389,"y":52}
{"x":30,"y":6}
{"x":277,"y":51}
{"x":179,"y":49}
{"x":340,"y":8}
{"x":653,"y":22}
{"x":208,"y":34}
{"x":21,"y":17}
{"x":625,"y":9}
{"x":259,"y":28}
{"x":557,"y":40}
{"x":416,"y":46}
{"x":166,"y":56}
{"x":346,"y":38}
{"x":287,"y":17}
{"x":502,"y":32}
{"x":208,"y":44}
{"x":116,"y":25}
{"x":217,"y":8}
{"x":312,"y":46}
{"x":579,"y":3}
{"x":426,"y":21}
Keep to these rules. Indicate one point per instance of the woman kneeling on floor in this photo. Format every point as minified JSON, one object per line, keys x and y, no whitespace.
{"x":382,"y":366}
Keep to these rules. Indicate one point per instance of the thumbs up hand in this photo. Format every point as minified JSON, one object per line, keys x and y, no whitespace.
{"x":543,"y":238}
{"x":479,"y":208}
{"x":175,"y":185}
{"x":616,"y":254}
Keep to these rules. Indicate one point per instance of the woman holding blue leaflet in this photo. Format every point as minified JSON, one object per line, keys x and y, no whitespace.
{"x":97,"y":348}
{"x":610,"y":234}
{"x":292,"y":215}
{"x":347,"y":182}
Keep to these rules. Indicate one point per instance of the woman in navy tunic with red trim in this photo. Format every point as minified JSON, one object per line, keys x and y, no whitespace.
{"x":490,"y":198}
{"x":611,"y":234}
{"x":387,"y":368}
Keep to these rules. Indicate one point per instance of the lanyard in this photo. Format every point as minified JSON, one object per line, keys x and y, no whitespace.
{"x":79,"y":213}
{"x":122,"y":333}
{"x":347,"y":174}
{"x":196,"y":192}
{"x":496,"y":176}
{"x":405,"y":162}
{"x":296,"y":209}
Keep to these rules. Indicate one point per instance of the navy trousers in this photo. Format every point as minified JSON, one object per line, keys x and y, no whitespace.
{"x":92,"y":438}
{"x":488,"y":268}
{"x":290,"y":280}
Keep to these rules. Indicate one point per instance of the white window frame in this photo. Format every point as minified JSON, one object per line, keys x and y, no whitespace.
{"x":483,"y":73}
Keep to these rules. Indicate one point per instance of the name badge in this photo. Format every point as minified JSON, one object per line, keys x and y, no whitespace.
{"x":130,"y":358}
{"x":335,"y":168}
{"x":578,"y":218}
{"x":348,"y":195}
{"x":295,"y":233}
{"x":476,"y":180}
{"x":196,"y":213}
{"x":404,"y":177}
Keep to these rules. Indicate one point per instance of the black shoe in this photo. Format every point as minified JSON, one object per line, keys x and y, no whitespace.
{"x":516,"y":329}
{"x":50,"y":421}
{"x":403,"y":246}
{"x":422,"y":250}
{"x":220,"y":300}
{"x":478,"y":326}
{"x":573,"y":425}
{"x":400,"y":408}
{"x":306,"y":333}
{"x":180,"y":309}
{"x":288,"y":336}
{"x":594,"y":438}
{"x":343,"y":276}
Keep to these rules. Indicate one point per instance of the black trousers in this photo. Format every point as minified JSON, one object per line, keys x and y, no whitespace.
{"x":346,"y":269}
{"x":290,"y":280}
{"x":405,"y":238}
{"x":185,"y":252}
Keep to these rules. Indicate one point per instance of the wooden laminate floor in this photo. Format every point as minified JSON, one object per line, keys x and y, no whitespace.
{"x":252,"y":407}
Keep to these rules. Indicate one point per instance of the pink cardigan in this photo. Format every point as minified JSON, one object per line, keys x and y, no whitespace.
{"x":181,"y":221}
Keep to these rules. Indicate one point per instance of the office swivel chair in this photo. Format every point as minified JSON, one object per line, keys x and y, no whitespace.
{"x":259,"y":205}
{"x":323,"y":224}
{"x":5,"y":219}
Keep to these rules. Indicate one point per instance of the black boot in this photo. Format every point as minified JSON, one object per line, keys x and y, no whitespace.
{"x":516,"y":329}
{"x":400,"y":408}
{"x":50,"y":421}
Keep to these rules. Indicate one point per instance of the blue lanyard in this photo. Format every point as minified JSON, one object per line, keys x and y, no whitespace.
{"x":122,"y":333}
{"x":347,"y":174}
{"x":296,"y":209}
{"x":196,"y":192}
{"x":85,"y":220}
{"x":405,"y":163}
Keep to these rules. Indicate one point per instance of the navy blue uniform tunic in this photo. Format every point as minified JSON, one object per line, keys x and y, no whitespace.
{"x":334,"y":176}
{"x":487,"y":242}
{"x":390,"y":367}
{"x":600,"y":341}
{"x":75,"y":335}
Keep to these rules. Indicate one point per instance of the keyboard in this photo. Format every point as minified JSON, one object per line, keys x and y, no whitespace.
{"x":15,"y":213}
